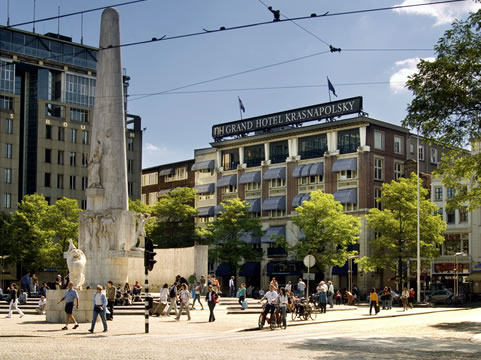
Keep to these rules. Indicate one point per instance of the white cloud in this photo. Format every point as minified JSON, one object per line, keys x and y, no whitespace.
{"x":154,"y":155}
{"x":443,"y":13}
{"x":405,"y":68}
{"x":150,"y":148}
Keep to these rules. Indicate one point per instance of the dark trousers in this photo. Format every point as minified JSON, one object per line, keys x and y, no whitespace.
{"x":110,"y":306}
{"x":371,"y":306}
{"x":211,"y":311}
{"x":241,"y":299}
{"x":323,"y":307}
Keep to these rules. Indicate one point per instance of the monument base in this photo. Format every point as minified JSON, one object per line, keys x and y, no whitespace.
{"x":56,"y":312}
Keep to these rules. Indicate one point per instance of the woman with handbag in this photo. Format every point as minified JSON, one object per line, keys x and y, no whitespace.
{"x":211,"y":299}
{"x":373,"y":302}
{"x":242,"y":295}
{"x":100,"y":308}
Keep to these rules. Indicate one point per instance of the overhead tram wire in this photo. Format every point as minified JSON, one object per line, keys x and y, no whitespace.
{"x":312,"y":16}
{"x":77,"y":13}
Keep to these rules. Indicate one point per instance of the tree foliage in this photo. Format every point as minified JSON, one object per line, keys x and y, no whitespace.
{"x":229,"y":231}
{"x":174,"y":214}
{"x":396,"y":227}
{"x":328,"y":231}
{"x":447,"y":103}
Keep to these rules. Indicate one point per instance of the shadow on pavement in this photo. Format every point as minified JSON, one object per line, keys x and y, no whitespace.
{"x":465,"y":326}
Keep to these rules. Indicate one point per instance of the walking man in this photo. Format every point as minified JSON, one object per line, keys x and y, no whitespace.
{"x":110,"y":299}
{"x":232,"y":286}
{"x":301,"y":287}
{"x":184,"y":302}
{"x":13,"y":301}
{"x":70,"y":297}
{"x":172,"y":299}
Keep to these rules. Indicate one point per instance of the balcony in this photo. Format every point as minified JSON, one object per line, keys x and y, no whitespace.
{"x":276,"y":252}
{"x":348,"y":148}
{"x":254,"y":162}
{"x":309,"y":188}
{"x":229,"y":196}
{"x":280,"y":158}
{"x":311,"y":154}
{"x":277,"y":192}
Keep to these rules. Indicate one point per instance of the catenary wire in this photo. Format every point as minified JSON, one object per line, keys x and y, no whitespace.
{"x":352,"y":12}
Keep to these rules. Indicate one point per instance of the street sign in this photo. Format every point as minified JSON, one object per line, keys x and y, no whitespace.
{"x":309,"y":276}
{"x":309,"y":261}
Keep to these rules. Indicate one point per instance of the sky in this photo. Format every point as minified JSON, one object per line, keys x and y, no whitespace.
{"x":293,"y":58}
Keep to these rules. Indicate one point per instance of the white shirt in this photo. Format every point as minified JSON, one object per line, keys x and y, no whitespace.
{"x":231,"y":283}
{"x":301,"y":285}
{"x":42,"y":302}
{"x":288,"y":287}
{"x":282,"y":300}
{"x":324,"y":286}
{"x":164,"y":292}
{"x":271,"y":296}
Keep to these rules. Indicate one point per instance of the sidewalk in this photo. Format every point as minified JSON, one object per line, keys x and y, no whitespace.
{"x":36,"y":326}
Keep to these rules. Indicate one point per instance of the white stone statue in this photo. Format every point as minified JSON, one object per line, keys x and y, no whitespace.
{"x":76,"y":261}
{"x":140,"y":234}
{"x":94,"y":167}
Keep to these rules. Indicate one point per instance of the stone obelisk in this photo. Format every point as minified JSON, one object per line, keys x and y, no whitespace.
{"x":107,"y":228}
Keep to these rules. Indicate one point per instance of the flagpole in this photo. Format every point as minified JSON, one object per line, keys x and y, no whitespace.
{"x":240,"y":110}
{"x":328,"y":91}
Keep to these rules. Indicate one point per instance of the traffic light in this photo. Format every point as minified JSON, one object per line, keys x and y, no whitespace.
{"x":149,"y":254}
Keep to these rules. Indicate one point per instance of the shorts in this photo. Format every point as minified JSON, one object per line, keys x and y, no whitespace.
{"x":69,"y":307}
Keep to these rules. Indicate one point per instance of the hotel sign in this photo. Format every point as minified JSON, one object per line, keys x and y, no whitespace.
{"x":291,"y":117}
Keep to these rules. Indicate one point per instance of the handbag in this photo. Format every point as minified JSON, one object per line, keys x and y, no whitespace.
{"x":377,"y":308}
{"x":245,"y":305}
{"x":98,"y":308}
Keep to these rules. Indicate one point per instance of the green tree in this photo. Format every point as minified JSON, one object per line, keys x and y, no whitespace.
{"x":396,"y":227}
{"x":63,"y":220}
{"x":328,"y":232}
{"x":174,"y":226}
{"x":447,"y":103}
{"x":228,"y":233}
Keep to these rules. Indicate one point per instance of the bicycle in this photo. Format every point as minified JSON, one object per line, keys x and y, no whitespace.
{"x":274,"y":322}
{"x":303,"y":311}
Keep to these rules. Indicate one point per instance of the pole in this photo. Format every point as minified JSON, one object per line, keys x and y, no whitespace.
{"x":418,"y":230}
{"x":34,"y":16}
{"x":456,"y":273}
{"x":308,"y":277}
{"x":328,"y":90}
{"x":146,"y":300}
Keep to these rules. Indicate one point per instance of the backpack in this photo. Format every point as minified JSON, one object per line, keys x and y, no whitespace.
{"x":172,"y":292}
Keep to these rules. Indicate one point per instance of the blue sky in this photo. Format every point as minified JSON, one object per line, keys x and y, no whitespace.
{"x":181,"y":122}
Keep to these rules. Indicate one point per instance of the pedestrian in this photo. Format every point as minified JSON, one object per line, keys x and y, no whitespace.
{"x":43,"y":290}
{"x":242,"y":296}
{"x":389,"y":298}
{"x":22,"y":297}
{"x":42,"y":304}
{"x":288,"y":287}
{"x":184,"y":301}
{"x":100,"y":308}
{"x":355,"y":293}
{"x":197,"y":292}
{"x":323,"y":297}
{"x":339,"y":297}
{"x":274,"y":283}
{"x":384,"y":298}
{"x":111,"y":292}
{"x":26,"y":282}
{"x":373,"y":302}
{"x":13,"y":301}
{"x":58,"y":282}
{"x":411,"y":298}
{"x":330,"y":293}
{"x":405,"y":298}
{"x":203,"y":282}
{"x":172,"y":299}
{"x":301,"y":286}
{"x":216,"y":284}
{"x":163,"y":296}
{"x":70,"y":297}
{"x":232,"y":286}
{"x":211,"y":299}
{"x":34,"y":284}
{"x":283,"y":306}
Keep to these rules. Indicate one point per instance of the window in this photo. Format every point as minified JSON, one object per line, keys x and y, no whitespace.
{"x":84,"y":182}
{"x":130,"y":166}
{"x":143,"y":198}
{"x":83,"y":204}
{"x":348,"y":141}
{"x":8,"y":176}
{"x":9,"y":126}
{"x":279,"y":152}
{"x":180,"y":174}
{"x":463,"y":215}
{"x":349,"y":207}
{"x":73,"y":158}
{"x":6,"y":102}
{"x":48,"y":155}
{"x":434,"y":156}
{"x":61,"y":134}
{"x":56,"y":111}
{"x":450,"y":192}
{"x":130,"y":188}
{"x":85,"y":137}
{"x":47,"y":180}
{"x":347,"y":174}
{"x":421,"y":153}
{"x":152,"y":198}
{"x":7,"y":201}
{"x":230,"y":159}
{"x":378,"y":169}
{"x":79,"y":90}
{"x":411,"y":148}
{"x":438,"y":193}
{"x":72,"y":182}
{"x":398,"y":144}
{"x":8,"y":151}
{"x":7,"y":76}
{"x":229,"y":189}
{"x":455,"y":243}
{"x":377,"y":195}
{"x":398,"y":170}
{"x":277,"y":213}
{"x":79,"y":115}
{"x":60,"y":157}
{"x":206,"y":197}
{"x":312,"y":146}
{"x":451,"y":216}
{"x":84,"y":160}
{"x":60,"y":181}
{"x":314,"y":179}
{"x":73,"y":135}
{"x":130,"y":144}
{"x":254,"y":155}
{"x":204,"y":173}
{"x":253,"y":186}
{"x":150,"y":179}
{"x":48,"y":131}
{"x":275,"y":183}
{"x":378,"y":140}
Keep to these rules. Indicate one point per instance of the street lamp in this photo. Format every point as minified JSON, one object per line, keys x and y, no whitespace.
{"x":456,"y":284}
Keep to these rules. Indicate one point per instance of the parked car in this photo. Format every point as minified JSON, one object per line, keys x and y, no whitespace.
{"x":442,"y":297}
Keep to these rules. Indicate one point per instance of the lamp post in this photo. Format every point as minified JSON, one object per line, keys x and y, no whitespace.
{"x":349,"y":267}
{"x":418,"y":231}
{"x":456,"y":284}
